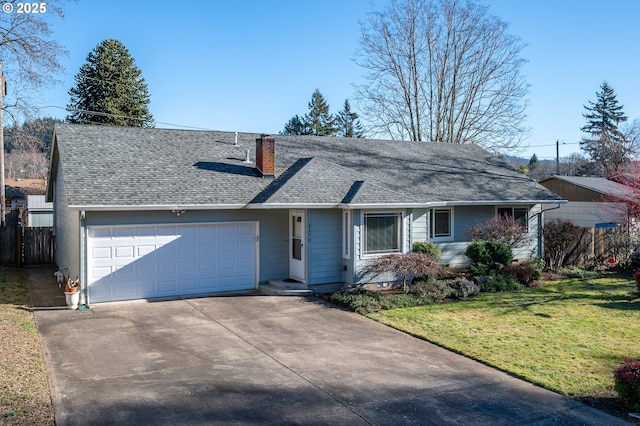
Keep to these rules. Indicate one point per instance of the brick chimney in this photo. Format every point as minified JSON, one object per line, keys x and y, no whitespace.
{"x":266,"y":155}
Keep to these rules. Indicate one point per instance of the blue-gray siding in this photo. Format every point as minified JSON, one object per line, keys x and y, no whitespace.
{"x":66,"y":230}
{"x":324,"y":242}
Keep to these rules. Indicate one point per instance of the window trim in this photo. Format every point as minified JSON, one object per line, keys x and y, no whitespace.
{"x":432,"y":224}
{"x":513,"y":209}
{"x":400,"y":215}
{"x":346,"y":234}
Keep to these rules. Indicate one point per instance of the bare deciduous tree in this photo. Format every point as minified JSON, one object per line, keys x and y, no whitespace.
{"x":29,"y":56}
{"x":442,"y":71}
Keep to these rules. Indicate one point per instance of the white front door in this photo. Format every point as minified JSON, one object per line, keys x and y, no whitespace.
{"x":297,"y":250}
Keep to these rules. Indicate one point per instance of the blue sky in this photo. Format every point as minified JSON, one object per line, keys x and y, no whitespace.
{"x":250,"y":65}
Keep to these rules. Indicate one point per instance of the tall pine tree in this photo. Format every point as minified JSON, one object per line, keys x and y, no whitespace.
{"x":110,"y":89}
{"x":606,"y":145}
{"x":348,"y":123}
{"x":319,"y":121}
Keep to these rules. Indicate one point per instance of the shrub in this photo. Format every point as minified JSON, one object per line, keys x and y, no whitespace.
{"x":505,"y":229}
{"x":498,"y":283}
{"x":406,"y":266}
{"x":627,"y":383}
{"x":427,"y":247}
{"x":524,"y":273}
{"x":559,"y":235}
{"x":575,"y":272}
{"x":463,"y":288}
{"x":432,"y":289}
{"x":492,"y":255}
{"x":365,"y":302}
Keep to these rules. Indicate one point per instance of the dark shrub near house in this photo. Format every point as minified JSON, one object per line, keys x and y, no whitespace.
{"x":487,"y":256}
{"x":627,"y":384}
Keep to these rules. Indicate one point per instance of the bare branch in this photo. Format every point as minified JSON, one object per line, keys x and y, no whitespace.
{"x":444,"y":71}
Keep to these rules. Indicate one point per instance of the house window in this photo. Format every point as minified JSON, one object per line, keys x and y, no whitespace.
{"x":382,"y":233}
{"x":441,"y":223}
{"x":346,"y":233}
{"x":521,"y":214}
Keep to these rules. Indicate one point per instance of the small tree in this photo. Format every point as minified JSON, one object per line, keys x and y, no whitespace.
{"x":559,"y":236}
{"x":503,"y":228}
{"x":406,"y":265}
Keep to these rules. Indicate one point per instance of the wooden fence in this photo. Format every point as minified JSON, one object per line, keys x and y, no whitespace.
{"x":594,"y":244}
{"x":26,"y":246}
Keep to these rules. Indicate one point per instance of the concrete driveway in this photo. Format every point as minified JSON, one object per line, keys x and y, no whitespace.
{"x":250,"y":360}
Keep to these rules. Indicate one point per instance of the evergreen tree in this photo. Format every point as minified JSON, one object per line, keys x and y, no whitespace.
{"x":348,"y":123}
{"x":295,"y":126}
{"x":533,"y":162}
{"x":110,"y":89}
{"x":319,"y":121}
{"x":606,"y":146}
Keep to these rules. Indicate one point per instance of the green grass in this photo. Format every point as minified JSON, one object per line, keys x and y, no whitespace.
{"x":568,"y":336}
{"x":24,"y":390}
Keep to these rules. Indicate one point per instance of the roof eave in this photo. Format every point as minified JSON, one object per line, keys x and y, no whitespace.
{"x":502,"y":202}
{"x":155,"y":207}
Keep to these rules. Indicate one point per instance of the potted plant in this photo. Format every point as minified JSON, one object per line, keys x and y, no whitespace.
{"x":72,"y":293}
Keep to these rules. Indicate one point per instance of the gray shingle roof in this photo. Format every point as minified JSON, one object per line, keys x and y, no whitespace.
{"x":598,"y":184}
{"x":106,"y":166}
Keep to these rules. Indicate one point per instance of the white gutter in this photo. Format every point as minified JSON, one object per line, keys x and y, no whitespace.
{"x":156,"y":207}
{"x":170,"y":207}
{"x":502,"y":202}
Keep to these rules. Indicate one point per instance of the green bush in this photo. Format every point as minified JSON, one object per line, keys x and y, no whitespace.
{"x":365,"y":302}
{"x":575,"y":272}
{"x":498,"y":283}
{"x":478,"y":270}
{"x":627,"y":384}
{"x":435,"y":290}
{"x":492,"y":255}
{"x":427,"y":247}
{"x":478,"y":253}
{"x":463,"y":288}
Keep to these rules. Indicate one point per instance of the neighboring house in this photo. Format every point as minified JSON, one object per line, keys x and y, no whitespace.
{"x":16,"y":193}
{"x":141,"y":213}
{"x":40,"y":212}
{"x":589,"y":203}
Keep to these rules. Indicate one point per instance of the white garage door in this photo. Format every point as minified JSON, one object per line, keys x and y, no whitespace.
{"x":136,"y":262}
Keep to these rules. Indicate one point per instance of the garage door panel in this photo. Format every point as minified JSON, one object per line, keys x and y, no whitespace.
{"x":155,"y":261}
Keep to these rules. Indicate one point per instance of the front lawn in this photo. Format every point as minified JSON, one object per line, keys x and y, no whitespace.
{"x":24,"y":390}
{"x":568,"y":336}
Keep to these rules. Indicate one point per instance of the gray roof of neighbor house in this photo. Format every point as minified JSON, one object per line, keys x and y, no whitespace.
{"x":105,"y":167}
{"x":598,"y":184}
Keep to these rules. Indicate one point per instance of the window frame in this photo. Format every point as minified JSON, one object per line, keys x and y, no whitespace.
{"x":513,"y":214}
{"x":432,"y":224}
{"x":401,"y":233}
{"x":346,"y":234}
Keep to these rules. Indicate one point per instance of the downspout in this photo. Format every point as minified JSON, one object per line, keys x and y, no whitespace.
{"x":540,"y":239}
{"x":84,"y":291}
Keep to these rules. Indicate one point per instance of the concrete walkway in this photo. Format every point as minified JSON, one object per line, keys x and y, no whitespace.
{"x":250,"y":360}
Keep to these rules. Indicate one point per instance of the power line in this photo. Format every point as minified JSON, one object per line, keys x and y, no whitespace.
{"x":106,"y":114}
